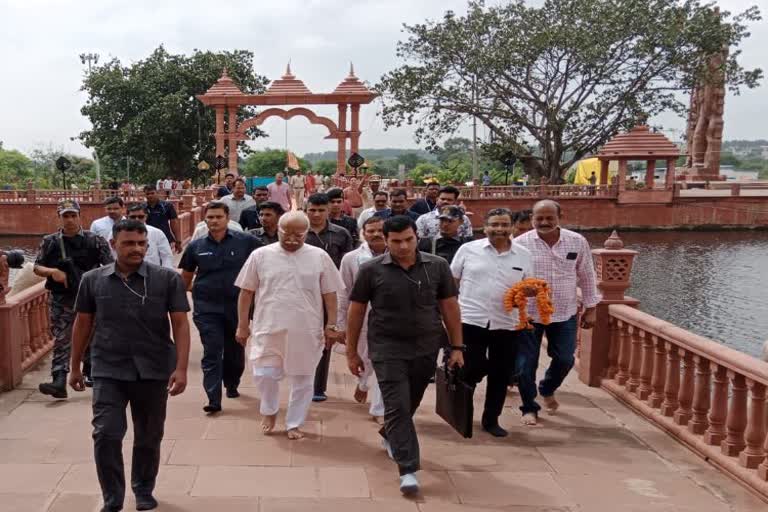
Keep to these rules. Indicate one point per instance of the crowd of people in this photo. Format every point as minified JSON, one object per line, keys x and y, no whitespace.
{"x":288,"y":272}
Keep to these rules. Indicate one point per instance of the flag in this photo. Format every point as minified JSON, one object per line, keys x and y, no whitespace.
{"x":293,"y":162}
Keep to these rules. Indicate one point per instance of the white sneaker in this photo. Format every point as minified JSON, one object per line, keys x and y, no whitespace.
{"x":408,"y":484}
{"x":385,"y":444}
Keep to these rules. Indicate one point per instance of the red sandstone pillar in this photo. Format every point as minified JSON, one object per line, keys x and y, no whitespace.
{"x":622,"y":179}
{"x":613,"y":265}
{"x":232,"y":132}
{"x":669,"y":180}
{"x":341,"y":155}
{"x":604,"y":172}
{"x":220,"y":130}
{"x":650,"y":174}
{"x":355,"y":129}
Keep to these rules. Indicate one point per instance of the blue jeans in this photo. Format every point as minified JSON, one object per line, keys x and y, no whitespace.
{"x":223,"y":357}
{"x":561,"y":347}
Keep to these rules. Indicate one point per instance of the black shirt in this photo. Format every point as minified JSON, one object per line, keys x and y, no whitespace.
{"x":446,"y":248}
{"x":86,"y":250}
{"x":160,"y":216}
{"x":422,"y":206}
{"x":132,"y":332}
{"x":223,"y":191}
{"x":350,"y":224}
{"x":249,"y":218}
{"x":385,"y":214}
{"x":264,"y":237}
{"x":404,"y":320}
{"x":334,"y":240}
{"x":217,"y":265}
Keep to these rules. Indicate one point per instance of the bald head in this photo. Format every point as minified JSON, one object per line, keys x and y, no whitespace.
{"x":292,"y":230}
{"x":295,"y":219}
{"x":546,"y":218}
{"x":549,"y":204}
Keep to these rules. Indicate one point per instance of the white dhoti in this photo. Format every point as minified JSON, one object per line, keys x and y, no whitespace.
{"x":374,"y":393}
{"x":300,"y":398}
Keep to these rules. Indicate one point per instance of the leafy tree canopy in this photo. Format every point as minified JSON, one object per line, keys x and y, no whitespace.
{"x":553,"y":83}
{"x":269,"y":162}
{"x":147,"y":111}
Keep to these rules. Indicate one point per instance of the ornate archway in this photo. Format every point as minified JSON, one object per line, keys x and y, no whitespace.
{"x":225,"y":97}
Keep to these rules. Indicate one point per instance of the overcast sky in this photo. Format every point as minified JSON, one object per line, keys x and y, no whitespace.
{"x":40,"y":42}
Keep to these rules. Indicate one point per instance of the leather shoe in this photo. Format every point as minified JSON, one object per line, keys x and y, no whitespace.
{"x":320,"y":397}
{"x":212,"y":409}
{"x":495,"y":430}
{"x":233,"y":393}
{"x":147,"y":502}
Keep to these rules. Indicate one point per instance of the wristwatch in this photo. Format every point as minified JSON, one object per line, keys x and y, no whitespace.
{"x":332,"y":327}
{"x":462,"y":348}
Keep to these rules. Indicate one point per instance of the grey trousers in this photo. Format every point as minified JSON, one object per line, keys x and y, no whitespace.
{"x":148,"y":399}
{"x":402,"y":383}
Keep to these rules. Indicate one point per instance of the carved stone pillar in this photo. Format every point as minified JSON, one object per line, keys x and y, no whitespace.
{"x":650,"y":174}
{"x":604,"y":172}
{"x":220,"y":134}
{"x":232,"y":132}
{"x":341,"y":155}
{"x":355,"y":128}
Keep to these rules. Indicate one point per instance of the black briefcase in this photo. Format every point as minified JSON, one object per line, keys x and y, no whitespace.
{"x":454,"y":400}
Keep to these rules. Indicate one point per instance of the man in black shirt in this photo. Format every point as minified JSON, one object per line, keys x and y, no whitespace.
{"x":124,"y":309}
{"x":404,"y":288}
{"x":448,"y":241}
{"x":226,"y":189}
{"x":163,"y":216}
{"x":249,"y":218}
{"x":397,"y":206}
{"x":336,"y":241}
{"x":63,"y":258}
{"x":337,"y":216}
{"x":269,"y":215}
{"x":429,"y":201}
{"x":214,"y":262}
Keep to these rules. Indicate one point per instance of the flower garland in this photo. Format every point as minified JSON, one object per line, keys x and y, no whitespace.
{"x":515,"y":297}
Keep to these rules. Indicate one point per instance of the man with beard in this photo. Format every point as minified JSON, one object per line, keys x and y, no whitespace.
{"x":123,"y":312}
{"x":287,"y":332}
{"x":214,"y":262}
{"x":374,"y":245}
{"x":249,"y":218}
{"x":485,"y":269}
{"x":563,"y":259}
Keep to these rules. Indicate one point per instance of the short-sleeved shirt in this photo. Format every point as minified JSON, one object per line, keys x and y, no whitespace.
{"x":348,"y":223}
{"x":217,"y":265}
{"x":405,"y":320}
{"x":160,"y":216}
{"x":132,"y":334}
{"x":236,"y":206}
{"x":334,"y":240}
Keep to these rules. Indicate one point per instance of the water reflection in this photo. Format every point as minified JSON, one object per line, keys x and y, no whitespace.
{"x":712,"y":283}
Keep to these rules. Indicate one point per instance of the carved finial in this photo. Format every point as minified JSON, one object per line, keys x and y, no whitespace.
{"x":613,"y":242}
{"x":351,"y":70}
{"x":288,"y":68}
{"x":224,"y":73}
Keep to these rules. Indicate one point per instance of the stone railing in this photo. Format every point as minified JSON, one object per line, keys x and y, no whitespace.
{"x":532,"y":191}
{"x":90,"y":196}
{"x":705,"y":395}
{"x":24,"y":334}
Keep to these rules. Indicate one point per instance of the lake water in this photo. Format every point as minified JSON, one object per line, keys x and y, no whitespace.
{"x":712,"y":283}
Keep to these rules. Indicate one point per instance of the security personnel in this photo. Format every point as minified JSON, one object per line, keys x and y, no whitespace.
{"x":63,"y":258}
{"x":216,"y":260}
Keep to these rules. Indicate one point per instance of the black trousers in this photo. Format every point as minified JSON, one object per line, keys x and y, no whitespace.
{"x":402,"y":383}
{"x":323,"y":367}
{"x":490,"y":354}
{"x":148,"y":400}
{"x":223,"y":357}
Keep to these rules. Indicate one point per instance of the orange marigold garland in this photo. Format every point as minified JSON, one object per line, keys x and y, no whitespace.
{"x":515,"y":297}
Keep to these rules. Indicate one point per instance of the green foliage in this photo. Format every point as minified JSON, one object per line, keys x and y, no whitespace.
{"x":268,"y":163}
{"x":15,"y":169}
{"x":147,"y":110}
{"x":324,"y":167}
{"x":563,"y":76}
{"x":371,"y":154}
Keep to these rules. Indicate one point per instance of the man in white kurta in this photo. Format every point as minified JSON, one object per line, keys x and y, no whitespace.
{"x":374,"y":245}
{"x":290,"y":284}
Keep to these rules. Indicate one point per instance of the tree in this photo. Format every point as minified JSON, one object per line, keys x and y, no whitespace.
{"x":148,"y":111}
{"x":269,"y":162}
{"x":560,"y":79}
{"x":325,"y":167}
{"x":15,"y":168}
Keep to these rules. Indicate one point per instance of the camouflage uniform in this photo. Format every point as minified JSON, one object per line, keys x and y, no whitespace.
{"x":61,"y":318}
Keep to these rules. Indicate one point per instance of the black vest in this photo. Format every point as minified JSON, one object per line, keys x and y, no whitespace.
{"x":82,"y":255}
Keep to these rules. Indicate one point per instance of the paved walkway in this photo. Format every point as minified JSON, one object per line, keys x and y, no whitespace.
{"x":594,"y":456}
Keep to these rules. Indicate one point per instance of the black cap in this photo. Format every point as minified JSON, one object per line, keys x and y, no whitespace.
{"x":451,"y":213}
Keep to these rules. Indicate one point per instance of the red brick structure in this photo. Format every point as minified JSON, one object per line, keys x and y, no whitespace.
{"x":225,"y":97}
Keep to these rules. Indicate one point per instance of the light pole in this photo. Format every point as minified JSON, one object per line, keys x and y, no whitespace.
{"x":93,"y":59}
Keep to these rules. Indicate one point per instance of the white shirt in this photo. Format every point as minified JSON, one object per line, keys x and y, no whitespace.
{"x":103,"y":227}
{"x":365,"y":215}
{"x":484,"y":277}
{"x":158,"y":249}
{"x":236,"y":206}
{"x":428,"y":225}
{"x":168,"y":184}
{"x":201,"y":230}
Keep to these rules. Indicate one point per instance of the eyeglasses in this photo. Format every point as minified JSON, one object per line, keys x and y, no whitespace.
{"x":296,"y":236}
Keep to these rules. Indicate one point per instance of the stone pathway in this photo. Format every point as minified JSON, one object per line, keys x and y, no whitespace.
{"x":594,"y":455}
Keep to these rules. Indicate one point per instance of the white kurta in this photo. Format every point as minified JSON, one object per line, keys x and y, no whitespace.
{"x":287,"y":324}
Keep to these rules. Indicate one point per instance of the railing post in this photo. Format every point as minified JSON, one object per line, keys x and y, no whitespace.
{"x":701,"y":391}
{"x":672,"y":382}
{"x":762,"y":469}
{"x":10,"y":347}
{"x":614,"y":348}
{"x":737,"y":417}
{"x":646,"y":367}
{"x":659,"y":374}
{"x":613,"y":266}
{"x":635,"y":358}
{"x":753,"y":454}
{"x":685,"y":397}
{"x":719,"y":410}
{"x":625,"y":342}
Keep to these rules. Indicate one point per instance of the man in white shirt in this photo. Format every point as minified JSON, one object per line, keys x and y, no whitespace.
{"x":238,"y":200}
{"x":168,"y":186}
{"x":374,"y":245}
{"x":485,"y":269}
{"x":287,"y":333}
{"x":428,"y":225}
{"x":380,"y":203}
{"x":103,"y":225}
{"x":297,"y":185}
{"x":158,"y":249}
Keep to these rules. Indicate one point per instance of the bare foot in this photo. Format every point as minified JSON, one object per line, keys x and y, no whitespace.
{"x":529,"y":419}
{"x":360,"y":395}
{"x":378,"y":419}
{"x":294,"y":434}
{"x":268,"y":424}
{"x":551,"y":404}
